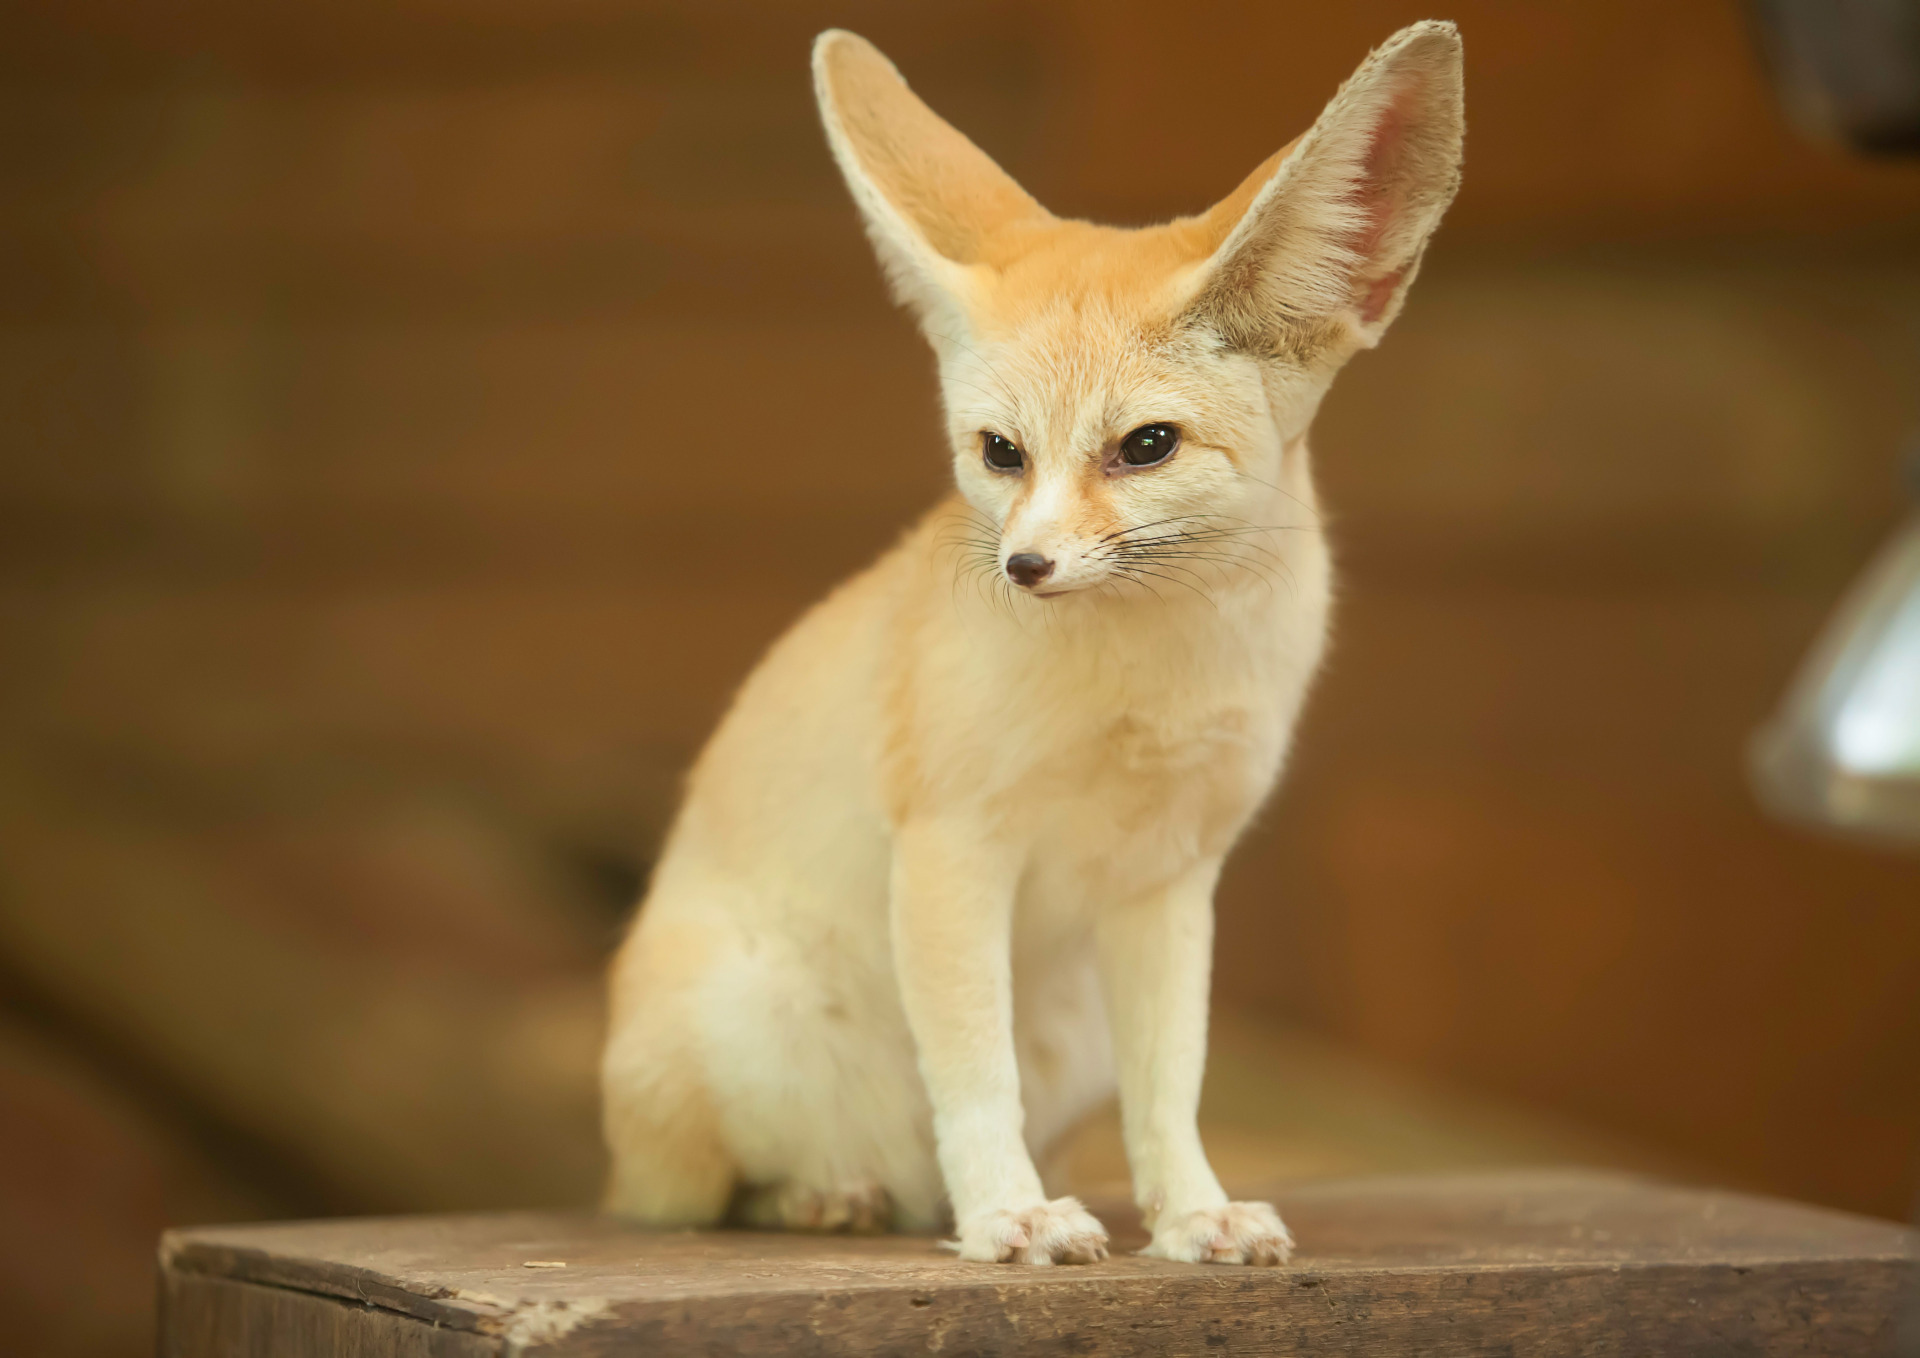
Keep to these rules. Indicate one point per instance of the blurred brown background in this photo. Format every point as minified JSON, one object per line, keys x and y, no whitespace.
{"x":418,"y":415}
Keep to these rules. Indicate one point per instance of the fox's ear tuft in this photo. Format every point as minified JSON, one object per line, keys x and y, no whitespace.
{"x":1319,"y":244}
{"x":932,"y":200}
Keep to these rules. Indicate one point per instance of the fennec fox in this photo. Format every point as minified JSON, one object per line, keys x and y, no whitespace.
{"x":944,"y":875}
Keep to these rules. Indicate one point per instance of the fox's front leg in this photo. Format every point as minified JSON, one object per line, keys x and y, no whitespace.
{"x":1156,"y":964}
{"x":952,"y":911}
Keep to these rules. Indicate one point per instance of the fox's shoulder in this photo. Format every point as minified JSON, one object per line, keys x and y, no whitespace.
{"x":864,"y":607}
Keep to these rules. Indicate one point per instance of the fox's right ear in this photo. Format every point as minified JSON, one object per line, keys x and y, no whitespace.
{"x":931,"y":198}
{"x":1319,"y":245}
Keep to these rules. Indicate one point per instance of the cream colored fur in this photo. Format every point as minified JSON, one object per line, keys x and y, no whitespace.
{"x":944,"y":875}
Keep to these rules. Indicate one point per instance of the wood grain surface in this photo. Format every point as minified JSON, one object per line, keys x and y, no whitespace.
{"x":1540,"y":1262}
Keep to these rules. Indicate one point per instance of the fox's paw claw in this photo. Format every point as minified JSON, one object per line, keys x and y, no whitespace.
{"x":1239,"y":1233}
{"x":1057,"y":1232}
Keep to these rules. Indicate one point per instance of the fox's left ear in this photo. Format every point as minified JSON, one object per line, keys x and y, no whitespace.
{"x":932,"y":200}
{"x":1318,"y":246}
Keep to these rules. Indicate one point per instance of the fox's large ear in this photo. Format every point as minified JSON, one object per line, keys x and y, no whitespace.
{"x":1319,"y":244}
{"x":931,"y":198}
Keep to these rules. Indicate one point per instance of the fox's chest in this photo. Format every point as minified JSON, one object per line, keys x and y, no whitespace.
{"x":1178,"y":747}
{"x":1166,"y":768}
{"x":1137,"y":796}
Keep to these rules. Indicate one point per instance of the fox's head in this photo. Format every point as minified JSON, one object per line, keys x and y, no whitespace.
{"x":1123,"y":403}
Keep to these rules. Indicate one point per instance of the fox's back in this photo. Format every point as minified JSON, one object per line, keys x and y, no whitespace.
{"x":783,"y":810}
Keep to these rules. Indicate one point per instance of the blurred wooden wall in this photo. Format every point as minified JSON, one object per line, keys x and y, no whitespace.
{"x":500,"y":379}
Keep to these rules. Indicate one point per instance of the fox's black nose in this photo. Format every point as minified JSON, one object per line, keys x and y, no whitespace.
{"x":1028,"y":568}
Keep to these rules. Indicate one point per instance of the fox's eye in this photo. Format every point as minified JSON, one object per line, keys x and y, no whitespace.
{"x":1001,"y":454}
{"x":1148,"y":444}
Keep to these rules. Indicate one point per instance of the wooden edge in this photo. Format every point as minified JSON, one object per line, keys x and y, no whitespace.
{"x":1832,"y":1306}
{"x":180,"y":1254}
{"x":209,"y":1317}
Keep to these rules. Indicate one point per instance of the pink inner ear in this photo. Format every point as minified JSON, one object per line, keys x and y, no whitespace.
{"x":1378,"y":192}
{"x":1374,"y":299}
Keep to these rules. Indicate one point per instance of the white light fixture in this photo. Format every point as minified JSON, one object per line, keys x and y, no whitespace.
{"x":1844,"y":749}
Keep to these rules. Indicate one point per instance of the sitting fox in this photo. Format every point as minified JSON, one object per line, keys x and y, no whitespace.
{"x":943,"y":877}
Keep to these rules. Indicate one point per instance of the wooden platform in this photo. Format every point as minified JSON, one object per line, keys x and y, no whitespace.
{"x":1534,"y":1262}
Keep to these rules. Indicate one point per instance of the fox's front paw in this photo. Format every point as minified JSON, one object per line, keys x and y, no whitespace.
{"x":1239,"y":1233}
{"x":1057,"y":1232}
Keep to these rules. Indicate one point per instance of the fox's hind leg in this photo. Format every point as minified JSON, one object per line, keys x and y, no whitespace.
{"x":670,"y":1167}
